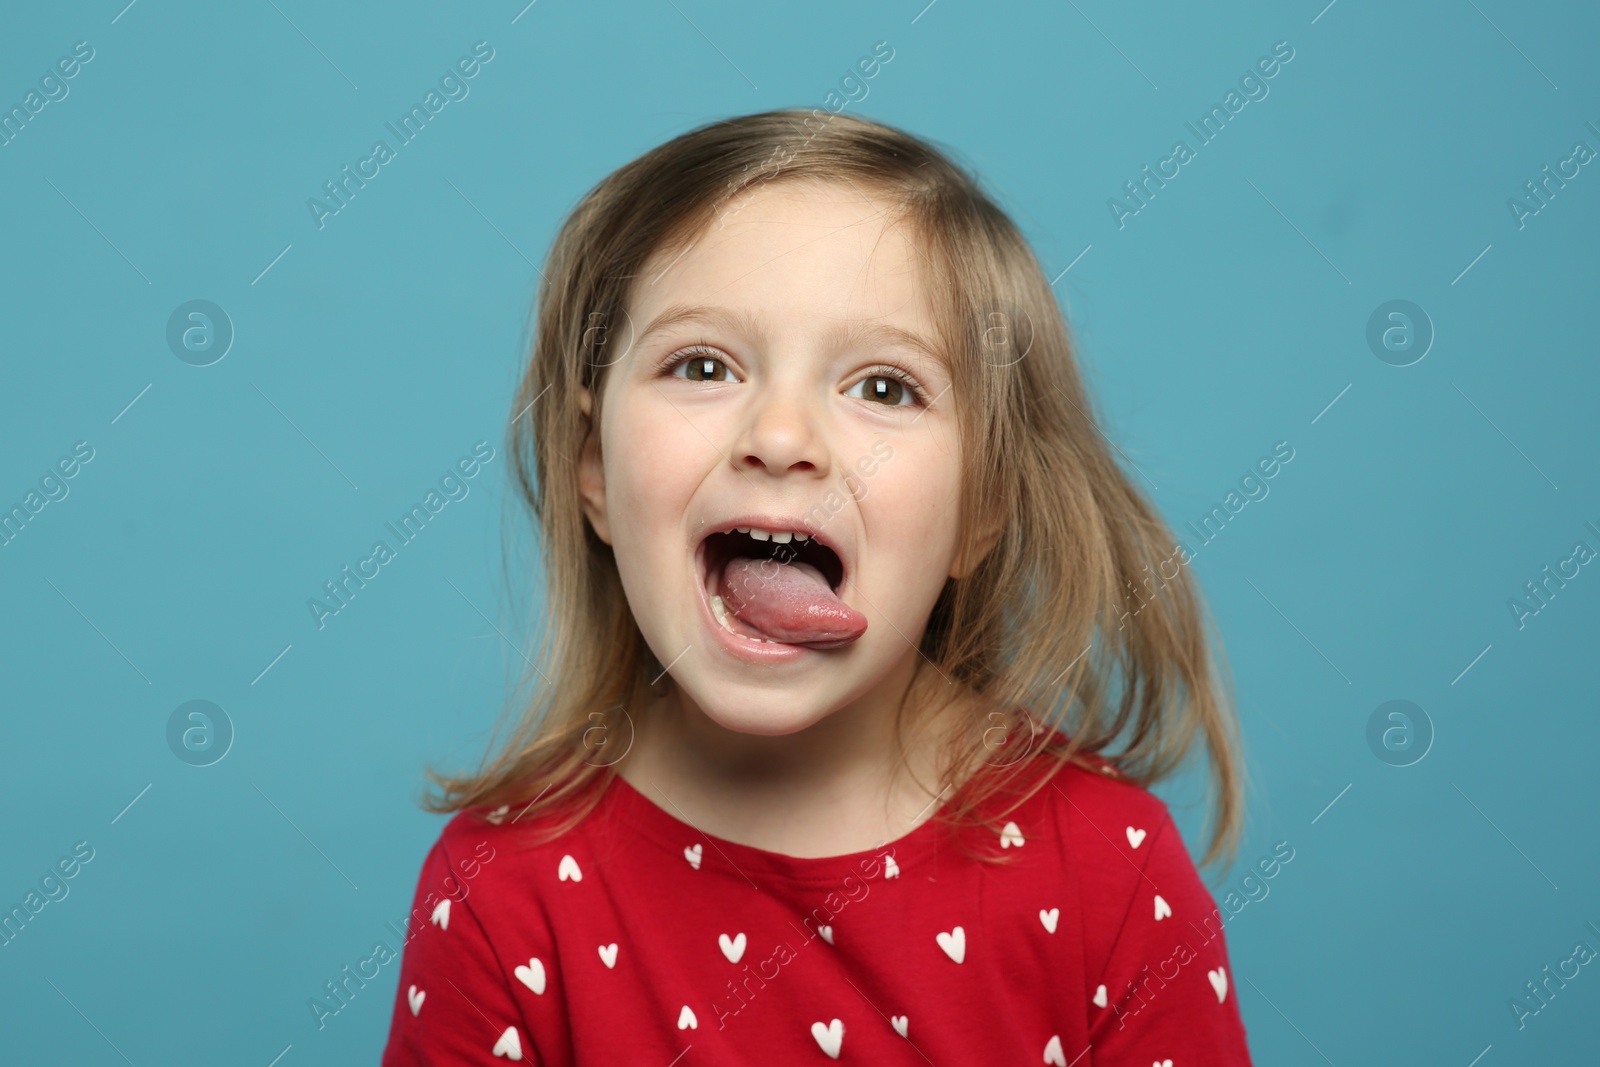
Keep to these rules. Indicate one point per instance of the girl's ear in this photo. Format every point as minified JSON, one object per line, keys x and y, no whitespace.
{"x":592,"y":471}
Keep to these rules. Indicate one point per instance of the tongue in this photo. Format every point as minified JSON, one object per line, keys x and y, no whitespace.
{"x":788,"y":602}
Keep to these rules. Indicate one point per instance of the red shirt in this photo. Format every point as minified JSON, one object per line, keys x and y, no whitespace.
{"x":636,"y":938}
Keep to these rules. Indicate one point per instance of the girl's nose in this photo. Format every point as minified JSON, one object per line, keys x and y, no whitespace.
{"x":782,"y":434}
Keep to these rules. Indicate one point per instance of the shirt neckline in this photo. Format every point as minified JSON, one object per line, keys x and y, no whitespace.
{"x":676,"y":836}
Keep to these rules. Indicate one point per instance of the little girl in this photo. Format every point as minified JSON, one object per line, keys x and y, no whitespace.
{"x":862,"y":651}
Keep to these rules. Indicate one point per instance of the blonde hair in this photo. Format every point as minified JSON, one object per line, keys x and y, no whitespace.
{"x":1043,"y":628}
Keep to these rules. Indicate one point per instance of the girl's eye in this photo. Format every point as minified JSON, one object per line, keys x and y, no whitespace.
{"x":885,"y":389}
{"x":699,"y":365}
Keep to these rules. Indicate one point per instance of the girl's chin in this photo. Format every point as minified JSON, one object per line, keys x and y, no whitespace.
{"x":762,"y":715}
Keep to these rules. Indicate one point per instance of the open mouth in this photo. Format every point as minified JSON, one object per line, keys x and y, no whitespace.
{"x":777,"y":586}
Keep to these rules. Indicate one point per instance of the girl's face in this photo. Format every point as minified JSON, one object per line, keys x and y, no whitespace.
{"x":773,"y":378}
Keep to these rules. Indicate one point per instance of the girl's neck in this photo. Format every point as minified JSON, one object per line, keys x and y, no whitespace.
{"x":834,"y":788}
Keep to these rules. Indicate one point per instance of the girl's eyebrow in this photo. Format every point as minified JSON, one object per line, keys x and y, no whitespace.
{"x":843,"y":334}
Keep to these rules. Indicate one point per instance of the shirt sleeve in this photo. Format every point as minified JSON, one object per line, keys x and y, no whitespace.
{"x":454,"y":1004}
{"x":1167,"y":994}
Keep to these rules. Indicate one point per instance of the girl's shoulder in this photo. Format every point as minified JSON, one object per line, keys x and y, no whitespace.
{"x":1138,"y":889}
{"x":1095,"y":791}
{"x":1115,"y":832}
{"x":510,"y":840}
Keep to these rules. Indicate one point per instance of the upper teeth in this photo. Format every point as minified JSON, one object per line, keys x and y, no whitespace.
{"x":780,"y":536}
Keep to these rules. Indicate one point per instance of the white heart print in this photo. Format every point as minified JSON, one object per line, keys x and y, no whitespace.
{"x":686,"y":1019}
{"x":1053,"y":1053}
{"x":1219,"y":982}
{"x":827,"y":933}
{"x":693,"y":854}
{"x":441,"y":914}
{"x":732,"y":948}
{"x":569,"y":869}
{"x":1100,"y":1000}
{"x":954,"y":943}
{"x":531,"y":975}
{"x":414,"y":997}
{"x":829,"y":1037}
{"x":900,"y":1023}
{"x":1011,"y":835}
{"x":509,"y":1045}
{"x":1135,"y":837}
{"x":1163,"y":909}
{"x":1162,"y":1063}
{"x":608,"y":954}
{"x":1049,"y":918}
{"x":891,"y":869}
{"x":498,"y":814}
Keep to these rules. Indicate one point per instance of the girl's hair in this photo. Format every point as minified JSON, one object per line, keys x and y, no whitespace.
{"x":1082,"y":616}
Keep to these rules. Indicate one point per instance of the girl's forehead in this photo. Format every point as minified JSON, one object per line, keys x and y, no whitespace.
{"x":791,"y":251}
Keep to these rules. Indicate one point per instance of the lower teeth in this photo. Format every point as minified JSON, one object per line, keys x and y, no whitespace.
{"x":721,"y":612}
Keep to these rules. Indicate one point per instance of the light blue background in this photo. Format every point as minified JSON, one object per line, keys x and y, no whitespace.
{"x":1223,"y":318}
